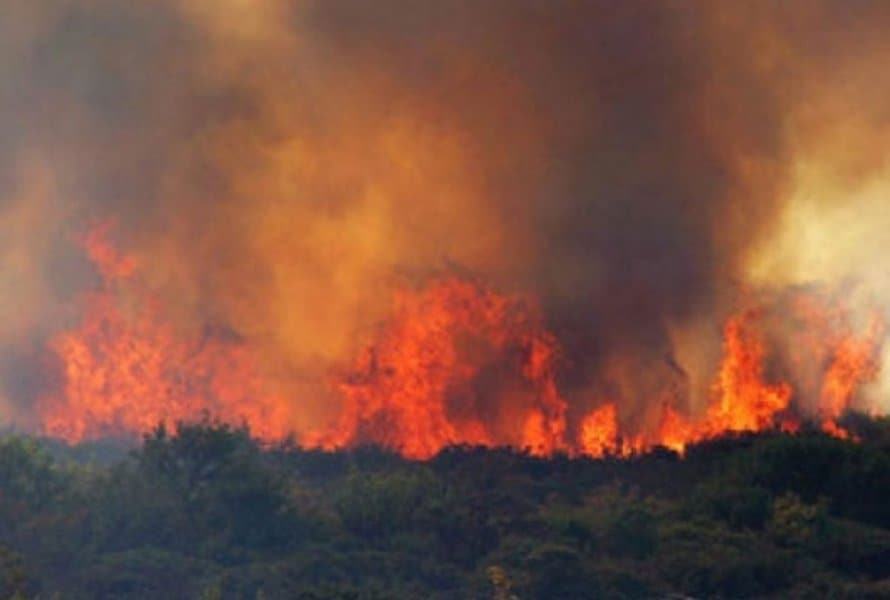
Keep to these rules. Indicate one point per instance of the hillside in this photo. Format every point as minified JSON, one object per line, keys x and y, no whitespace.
{"x":205,"y":512}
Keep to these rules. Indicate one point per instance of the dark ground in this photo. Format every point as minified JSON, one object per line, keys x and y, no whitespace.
{"x":204,"y":512}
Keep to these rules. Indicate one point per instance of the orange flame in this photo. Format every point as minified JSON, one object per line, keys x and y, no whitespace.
{"x":414,"y":389}
{"x":741,"y":400}
{"x":125,"y":369}
{"x":599,"y":431}
{"x":854,"y":363}
{"x":456,"y":363}
{"x":676,"y":431}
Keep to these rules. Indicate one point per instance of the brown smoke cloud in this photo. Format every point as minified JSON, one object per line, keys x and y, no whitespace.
{"x":277,"y":167}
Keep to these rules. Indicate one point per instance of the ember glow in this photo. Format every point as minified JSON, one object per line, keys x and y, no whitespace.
{"x":589,"y":228}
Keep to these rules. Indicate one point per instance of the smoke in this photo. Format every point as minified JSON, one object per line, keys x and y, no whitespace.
{"x":277,"y":168}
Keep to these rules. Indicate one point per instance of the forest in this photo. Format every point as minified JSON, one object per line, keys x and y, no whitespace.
{"x":203,"y":511}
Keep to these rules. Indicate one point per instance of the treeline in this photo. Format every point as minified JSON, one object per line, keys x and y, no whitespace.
{"x":204,"y":512}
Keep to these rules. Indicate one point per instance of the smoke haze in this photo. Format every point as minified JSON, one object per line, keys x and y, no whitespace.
{"x":277,"y":169}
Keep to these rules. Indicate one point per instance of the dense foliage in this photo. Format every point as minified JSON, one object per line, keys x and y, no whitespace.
{"x":204,"y":512}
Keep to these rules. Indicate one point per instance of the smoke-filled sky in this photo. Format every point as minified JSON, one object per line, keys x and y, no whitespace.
{"x":278,"y":167}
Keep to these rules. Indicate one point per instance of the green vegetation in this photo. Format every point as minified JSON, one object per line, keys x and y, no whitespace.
{"x":205,"y":512}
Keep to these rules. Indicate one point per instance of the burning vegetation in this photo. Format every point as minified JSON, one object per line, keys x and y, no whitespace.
{"x":454,"y":363}
{"x":586,"y":229}
{"x":445,"y":299}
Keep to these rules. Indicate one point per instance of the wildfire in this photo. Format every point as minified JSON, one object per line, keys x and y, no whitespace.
{"x":599,"y":431}
{"x":854,"y":363}
{"x":420,"y":388}
{"x":455,"y":363}
{"x":744,"y":401}
{"x":741,"y":401}
{"x":125,"y":368}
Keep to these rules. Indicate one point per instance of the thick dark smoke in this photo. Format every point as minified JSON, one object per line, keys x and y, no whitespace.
{"x":633,"y":150}
{"x":277,"y":166}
